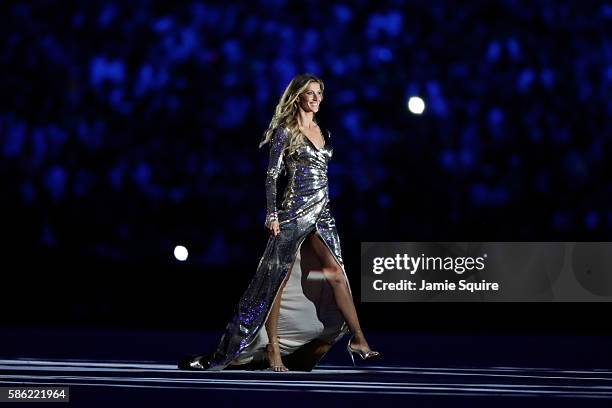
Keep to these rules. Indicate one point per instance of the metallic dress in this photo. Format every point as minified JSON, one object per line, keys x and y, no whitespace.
{"x":308,"y":310}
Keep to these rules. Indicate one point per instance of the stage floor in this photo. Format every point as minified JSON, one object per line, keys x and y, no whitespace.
{"x":104,"y":382}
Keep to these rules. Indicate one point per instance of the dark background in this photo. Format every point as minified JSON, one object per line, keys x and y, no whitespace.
{"x":127,"y":128}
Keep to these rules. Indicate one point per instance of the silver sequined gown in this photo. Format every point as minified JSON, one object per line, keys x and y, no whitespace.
{"x":308,"y":309}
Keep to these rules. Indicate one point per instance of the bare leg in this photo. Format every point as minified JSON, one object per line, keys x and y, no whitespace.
{"x":273,"y":348}
{"x":344,"y":300}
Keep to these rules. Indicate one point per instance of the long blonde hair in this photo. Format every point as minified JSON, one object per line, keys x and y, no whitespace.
{"x":286,"y":112}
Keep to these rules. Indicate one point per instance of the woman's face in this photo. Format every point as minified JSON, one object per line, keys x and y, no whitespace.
{"x":311,"y":98}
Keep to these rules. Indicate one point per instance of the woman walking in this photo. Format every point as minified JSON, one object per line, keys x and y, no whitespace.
{"x":300,"y":292}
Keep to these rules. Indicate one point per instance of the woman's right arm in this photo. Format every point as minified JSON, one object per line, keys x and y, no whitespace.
{"x":277,"y":146}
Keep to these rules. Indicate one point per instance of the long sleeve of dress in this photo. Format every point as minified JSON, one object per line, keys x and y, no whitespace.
{"x":277,"y":146}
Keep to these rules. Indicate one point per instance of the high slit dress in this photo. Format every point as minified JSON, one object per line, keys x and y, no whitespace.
{"x":308,"y":311}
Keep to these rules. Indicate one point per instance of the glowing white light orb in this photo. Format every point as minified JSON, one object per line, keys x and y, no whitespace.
{"x":180,"y":252}
{"x":416,"y":105}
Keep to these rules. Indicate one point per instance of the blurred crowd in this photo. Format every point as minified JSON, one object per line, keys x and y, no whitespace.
{"x":128,"y":127}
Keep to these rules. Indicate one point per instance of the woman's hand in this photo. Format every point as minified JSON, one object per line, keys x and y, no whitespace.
{"x":274,"y":228}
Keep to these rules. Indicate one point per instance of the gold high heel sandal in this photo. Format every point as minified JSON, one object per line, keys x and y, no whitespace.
{"x":365,"y":355}
{"x":276,"y":368}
